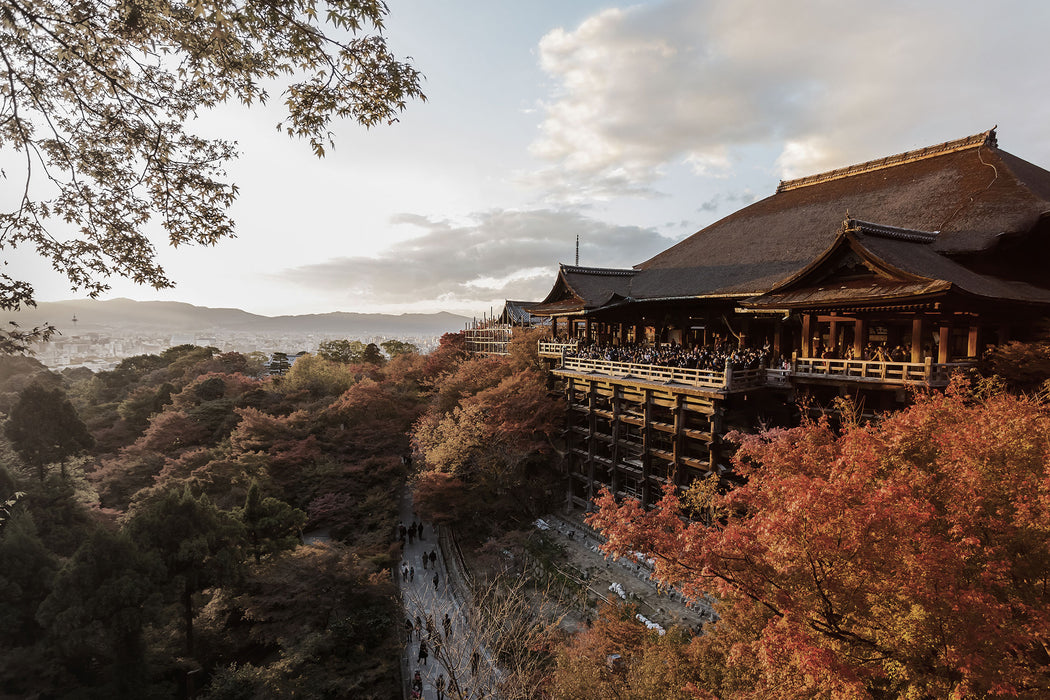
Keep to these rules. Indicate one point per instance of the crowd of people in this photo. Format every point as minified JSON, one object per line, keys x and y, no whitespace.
{"x":714,"y":357}
{"x":707,"y":357}
{"x":875,"y":352}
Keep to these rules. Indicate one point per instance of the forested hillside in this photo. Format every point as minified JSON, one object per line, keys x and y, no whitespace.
{"x":153,"y":516}
{"x":160,"y":549}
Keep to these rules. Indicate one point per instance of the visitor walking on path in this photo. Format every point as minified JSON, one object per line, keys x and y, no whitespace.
{"x":433,"y":613}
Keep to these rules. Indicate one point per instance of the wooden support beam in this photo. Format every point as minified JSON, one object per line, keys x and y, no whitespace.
{"x":592,"y":426}
{"x":943,"y":339}
{"x":807,"y":335}
{"x":647,"y":447}
{"x":679,"y":437}
{"x":918,"y":327}
{"x":860,"y":337}
{"x":617,"y":399}
{"x":973,"y":341}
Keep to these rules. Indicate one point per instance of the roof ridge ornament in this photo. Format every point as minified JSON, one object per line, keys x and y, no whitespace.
{"x":985,"y":138}
{"x":620,"y":272}
{"x":892,"y":232}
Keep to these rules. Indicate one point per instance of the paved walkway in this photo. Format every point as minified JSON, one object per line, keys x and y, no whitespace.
{"x":429,"y":596}
{"x":633,"y":578}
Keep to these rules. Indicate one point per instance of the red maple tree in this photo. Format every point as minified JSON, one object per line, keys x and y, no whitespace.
{"x":904,"y":558}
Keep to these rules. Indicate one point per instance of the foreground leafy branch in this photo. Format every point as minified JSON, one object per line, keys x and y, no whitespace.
{"x":95,"y":96}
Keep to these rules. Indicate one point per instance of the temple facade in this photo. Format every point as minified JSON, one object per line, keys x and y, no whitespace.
{"x":870,"y":281}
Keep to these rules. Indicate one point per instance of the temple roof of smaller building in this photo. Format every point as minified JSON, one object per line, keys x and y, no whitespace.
{"x":517,"y":313}
{"x":895,"y":264}
{"x":579,"y":289}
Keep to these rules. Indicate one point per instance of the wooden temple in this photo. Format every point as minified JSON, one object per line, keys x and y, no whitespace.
{"x":869,"y":281}
{"x":490,"y":336}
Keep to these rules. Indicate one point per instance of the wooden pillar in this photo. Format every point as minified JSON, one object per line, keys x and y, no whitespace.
{"x":1003,"y":334}
{"x":592,"y":429}
{"x":679,"y":408}
{"x":617,"y":462}
{"x":973,"y":341}
{"x":944,"y":332}
{"x":918,"y":327}
{"x":833,"y":336}
{"x":860,"y":337}
{"x":745,"y":331}
{"x":717,"y":430}
{"x":647,"y":442}
{"x":570,"y":440}
{"x":807,"y":335}
{"x":778,"y":337}
{"x":587,"y":329}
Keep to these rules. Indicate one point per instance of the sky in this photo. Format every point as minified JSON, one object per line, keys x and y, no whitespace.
{"x":630,"y":125}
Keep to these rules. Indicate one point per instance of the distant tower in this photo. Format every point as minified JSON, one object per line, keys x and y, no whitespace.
{"x":577,"y":250}
{"x":74,"y":320}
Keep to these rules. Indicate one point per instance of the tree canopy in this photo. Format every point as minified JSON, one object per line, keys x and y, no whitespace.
{"x":905,"y":558}
{"x":95,"y":98}
{"x":44,"y":427}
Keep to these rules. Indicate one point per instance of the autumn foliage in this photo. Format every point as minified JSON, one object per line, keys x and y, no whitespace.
{"x":188,"y":512}
{"x":905,"y":558}
{"x":487,"y":443}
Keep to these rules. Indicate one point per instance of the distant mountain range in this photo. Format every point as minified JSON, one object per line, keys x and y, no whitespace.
{"x":168,"y":316}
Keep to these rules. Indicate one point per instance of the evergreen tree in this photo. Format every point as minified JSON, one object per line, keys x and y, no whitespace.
{"x":196,"y":542}
{"x":44,"y":428}
{"x":101,"y":601}
{"x":270,"y":524}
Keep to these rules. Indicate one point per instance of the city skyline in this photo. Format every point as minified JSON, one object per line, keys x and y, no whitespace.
{"x":630,"y":125}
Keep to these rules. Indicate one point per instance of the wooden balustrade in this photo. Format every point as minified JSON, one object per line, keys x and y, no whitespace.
{"x":928,"y":373}
{"x":548,"y":348}
{"x":904,"y":373}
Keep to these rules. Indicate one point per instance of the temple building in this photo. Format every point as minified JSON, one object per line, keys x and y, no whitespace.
{"x":869,"y":281}
{"x":490,"y":336}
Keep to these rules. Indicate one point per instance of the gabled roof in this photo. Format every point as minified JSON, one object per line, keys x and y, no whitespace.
{"x":579,"y":289}
{"x":874,"y":263}
{"x":962,"y":199}
{"x":517,"y":313}
{"x":968,"y":191}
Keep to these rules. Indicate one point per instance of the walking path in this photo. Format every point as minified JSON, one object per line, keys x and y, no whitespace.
{"x":626,"y":578}
{"x":452,"y":650}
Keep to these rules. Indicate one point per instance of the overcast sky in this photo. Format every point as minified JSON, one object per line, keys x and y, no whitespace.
{"x":630,"y":125}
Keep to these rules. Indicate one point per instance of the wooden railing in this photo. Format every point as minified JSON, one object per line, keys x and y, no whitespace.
{"x":703,"y":378}
{"x":549,"y":348}
{"x":928,"y":373}
{"x":902,"y":373}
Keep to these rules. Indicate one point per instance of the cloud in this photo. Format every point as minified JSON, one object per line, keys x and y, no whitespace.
{"x":495,"y":255}
{"x":825,"y":84}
